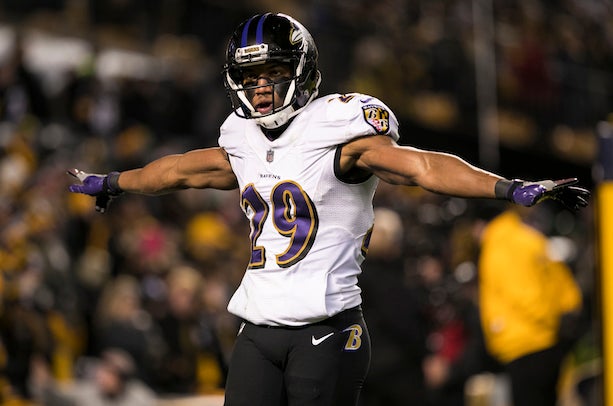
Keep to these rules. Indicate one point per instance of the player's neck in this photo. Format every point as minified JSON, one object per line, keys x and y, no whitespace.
{"x":274,"y":133}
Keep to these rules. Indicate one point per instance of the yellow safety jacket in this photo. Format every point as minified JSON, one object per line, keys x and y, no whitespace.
{"x":522,"y":291}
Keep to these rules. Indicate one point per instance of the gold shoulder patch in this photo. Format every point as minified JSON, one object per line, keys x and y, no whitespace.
{"x":377,"y":117}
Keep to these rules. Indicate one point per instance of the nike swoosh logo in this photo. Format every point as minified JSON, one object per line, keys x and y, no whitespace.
{"x":317,"y":341}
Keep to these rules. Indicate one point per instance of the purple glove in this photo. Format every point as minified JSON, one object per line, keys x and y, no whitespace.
{"x":530,"y":193}
{"x":103,"y":187}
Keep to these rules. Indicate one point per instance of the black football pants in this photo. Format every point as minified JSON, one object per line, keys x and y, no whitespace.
{"x":319,"y":364}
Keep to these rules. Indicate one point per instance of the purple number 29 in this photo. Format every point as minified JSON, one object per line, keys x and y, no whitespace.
{"x":293,"y":216}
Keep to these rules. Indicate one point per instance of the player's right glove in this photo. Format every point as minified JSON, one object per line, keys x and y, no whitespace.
{"x":530,"y":193}
{"x":103,"y":187}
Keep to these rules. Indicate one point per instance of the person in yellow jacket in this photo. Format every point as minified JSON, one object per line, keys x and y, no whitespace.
{"x":524,"y":296}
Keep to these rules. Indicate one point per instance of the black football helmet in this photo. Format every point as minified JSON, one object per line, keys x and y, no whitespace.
{"x":268,"y":38}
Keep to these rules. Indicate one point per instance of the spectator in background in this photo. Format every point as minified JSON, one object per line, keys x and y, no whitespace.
{"x":192,"y":360}
{"x":528,"y":302}
{"x":121,"y":322}
{"x":110,"y":381}
{"x":395,"y":318}
{"x":24,"y":333}
{"x":21,"y":93}
{"x":455,"y":342}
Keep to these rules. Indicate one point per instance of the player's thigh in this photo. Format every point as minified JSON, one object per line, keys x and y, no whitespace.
{"x":355,"y":361}
{"x":253,"y":380}
{"x":328,"y":372}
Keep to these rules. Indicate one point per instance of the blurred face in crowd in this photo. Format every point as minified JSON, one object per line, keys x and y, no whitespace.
{"x":108,"y":380}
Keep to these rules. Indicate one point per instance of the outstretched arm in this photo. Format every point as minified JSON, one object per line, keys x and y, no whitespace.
{"x":451,"y":175}
{"x":435,"y":171}
{"x":203,"y":168}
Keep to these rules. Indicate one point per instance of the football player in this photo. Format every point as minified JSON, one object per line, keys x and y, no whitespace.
{"x":307,"y":168}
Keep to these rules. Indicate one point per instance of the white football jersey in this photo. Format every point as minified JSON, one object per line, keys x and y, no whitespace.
{"x":309,"y":229}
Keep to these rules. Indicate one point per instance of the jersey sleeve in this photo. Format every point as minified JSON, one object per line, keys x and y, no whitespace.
{"x":231,"y":134}
{"x":355,"y":115}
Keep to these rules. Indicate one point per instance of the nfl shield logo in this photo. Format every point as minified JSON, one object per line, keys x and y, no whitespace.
{"x":270,"y":155}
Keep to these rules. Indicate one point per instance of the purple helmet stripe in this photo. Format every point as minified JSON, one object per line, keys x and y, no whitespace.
{"x":259,"y":33}
{"x":245,"y":33}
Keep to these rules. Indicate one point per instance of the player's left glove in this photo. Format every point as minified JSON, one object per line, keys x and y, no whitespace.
{"x":530,"y":193}
{"x":103,"y":187}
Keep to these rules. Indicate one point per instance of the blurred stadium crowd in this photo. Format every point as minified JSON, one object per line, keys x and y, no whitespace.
{"x":110,"y":85}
